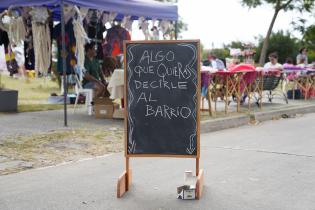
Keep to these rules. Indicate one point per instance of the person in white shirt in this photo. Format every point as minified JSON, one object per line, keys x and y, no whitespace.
{"x":301,"y":58}
{"x":214,"y":62}
{"x":273,"y":62}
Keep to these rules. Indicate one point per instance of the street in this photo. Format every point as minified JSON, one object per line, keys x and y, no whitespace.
{"x":265,"y":166}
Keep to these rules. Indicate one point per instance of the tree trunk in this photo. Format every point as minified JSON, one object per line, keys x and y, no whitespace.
{"x":266,"y":41}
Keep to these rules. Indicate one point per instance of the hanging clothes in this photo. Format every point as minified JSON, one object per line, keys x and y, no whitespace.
{"x":95,"y":29}
{"x":17,"y":31}
{"x":42,"y":47}
{"x":41,"y":39}
{"x":15,"y":28}
{"x":4,"y":38}
{"x":81,"y":39}
{"x":115,"y":36}
{"x":8,"y":25}
{"x":29,"y":46}
{"x":70,"y":47}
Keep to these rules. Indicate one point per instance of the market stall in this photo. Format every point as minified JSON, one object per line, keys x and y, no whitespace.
{"x":124,"y":10}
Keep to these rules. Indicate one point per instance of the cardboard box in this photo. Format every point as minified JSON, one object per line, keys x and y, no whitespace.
{"x":186,"y":192}
{"x":103,"y":101}
{"x":104,"y":111}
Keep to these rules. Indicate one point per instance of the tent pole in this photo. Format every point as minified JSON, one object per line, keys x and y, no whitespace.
{"x":64,"y":56}
{"x":176,"y":29}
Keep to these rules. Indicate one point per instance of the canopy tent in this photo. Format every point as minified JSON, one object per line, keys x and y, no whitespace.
{"x":149,"y":9}
{"x":146,"y":8}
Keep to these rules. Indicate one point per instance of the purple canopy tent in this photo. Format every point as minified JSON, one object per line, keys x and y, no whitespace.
{"x":147,"y":8}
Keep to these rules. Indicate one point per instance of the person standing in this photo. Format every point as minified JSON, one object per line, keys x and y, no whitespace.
{"x":301,"y":58}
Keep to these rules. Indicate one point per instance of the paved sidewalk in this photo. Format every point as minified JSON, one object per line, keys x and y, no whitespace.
{"x":267,"y":166}
{"x":29,"y":123}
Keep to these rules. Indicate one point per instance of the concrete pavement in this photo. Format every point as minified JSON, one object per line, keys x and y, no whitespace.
{"x":267,"y":166}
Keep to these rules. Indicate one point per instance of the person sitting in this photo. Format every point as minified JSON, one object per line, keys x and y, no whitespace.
{"x":93,"y":76}
{"x":109,"y":65}
{"x":288,"y":63}
{"x":214,"y":62}
{"x":273,"y":62}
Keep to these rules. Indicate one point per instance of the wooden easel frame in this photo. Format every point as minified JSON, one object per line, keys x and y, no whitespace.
{"x":125,"y":179}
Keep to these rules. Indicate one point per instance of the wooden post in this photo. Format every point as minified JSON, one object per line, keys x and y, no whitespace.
{"x":124,"y":180}
{"x":197,"y":166}
{"x":238,"y":80}
{"x":199,"y":184}
{"x":226,"y":93}
{"x":127,"y":173}
{"x":249,"y":89}
{"x":261,"y":87}
{"x":209,"y":101}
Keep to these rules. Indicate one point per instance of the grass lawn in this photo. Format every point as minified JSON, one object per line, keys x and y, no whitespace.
{"x":33,"y":93}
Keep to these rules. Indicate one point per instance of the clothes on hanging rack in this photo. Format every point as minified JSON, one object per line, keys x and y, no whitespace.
{"x":41,"y":40}
{"x":95,"y":29}
{"x":81,"y":39}
{"x":113,"y":44}
{"x":70,"y":47}
{"x":29,"y":53}
{"x":11,"y":63}
{"x":4,"y":38}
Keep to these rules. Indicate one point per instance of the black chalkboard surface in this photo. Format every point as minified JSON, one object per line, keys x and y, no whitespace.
{"x":162,"y":98}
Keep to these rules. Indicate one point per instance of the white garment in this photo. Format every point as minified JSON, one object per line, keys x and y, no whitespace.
{"x":299,"y":57}
{"x":270,"y":66}
{"x":15,"y":28}
{"x":127,"y":23}
{"x":17,"y":31}
{"x":144,"y":25}
{"x":214,"y":64}
{"x":41,"y":40}
{"x":39,"y":14}
{"x":116,"y":84}
{"x":80,"y":37}
{"x":19,"y":54}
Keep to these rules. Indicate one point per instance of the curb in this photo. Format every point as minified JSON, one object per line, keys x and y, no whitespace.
{"x":209,"y":126}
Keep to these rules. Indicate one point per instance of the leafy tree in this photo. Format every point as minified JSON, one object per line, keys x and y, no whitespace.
{"x":309,"y":37}
{"x":278,"y":5}
{"x":309,"y":42}
{"x":234,"y":44}
{"x":282,"y":43}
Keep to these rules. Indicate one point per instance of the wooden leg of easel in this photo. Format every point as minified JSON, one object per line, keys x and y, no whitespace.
{"x":199,"y":184}
{"x":209,"y":101}
{"x":124,"y":181}
{"x":197,"y":166}
{"x":226,"y":94}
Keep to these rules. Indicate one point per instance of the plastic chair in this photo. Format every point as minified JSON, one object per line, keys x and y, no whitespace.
{"x":88,"y":96}
{"x":270,"y":84}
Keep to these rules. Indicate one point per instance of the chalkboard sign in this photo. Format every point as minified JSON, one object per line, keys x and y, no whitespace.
{"x":162,"y":98}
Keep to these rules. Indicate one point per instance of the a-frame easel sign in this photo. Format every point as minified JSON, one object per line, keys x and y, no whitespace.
{"x":162,"y":96}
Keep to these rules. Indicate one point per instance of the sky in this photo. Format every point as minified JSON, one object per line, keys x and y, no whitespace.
{"x":215,"y":22}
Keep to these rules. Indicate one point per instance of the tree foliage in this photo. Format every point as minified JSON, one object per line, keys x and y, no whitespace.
{"x":234,"y":44}
{"x":309,"y":37}
{"x":282,"y":43}
{"x":278,"y":5}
